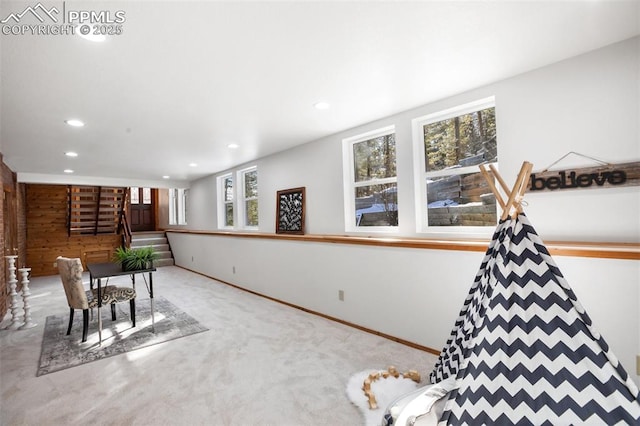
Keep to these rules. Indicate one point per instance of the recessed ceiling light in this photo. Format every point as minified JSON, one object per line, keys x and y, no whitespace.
{"x":68,"y":171}
{"x":321,"y":105}
{"x":233,"y":146}
{"x":166,"y":177}
{"x":71,"y":154}
{"x":89,"y":34}
{"x":74,"y":122}
{"x":193,"y":165}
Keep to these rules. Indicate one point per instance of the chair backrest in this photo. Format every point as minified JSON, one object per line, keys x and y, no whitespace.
{"x":71,"y":276}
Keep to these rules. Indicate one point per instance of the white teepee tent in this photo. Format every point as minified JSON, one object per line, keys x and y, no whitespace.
{"x":523,"y":350}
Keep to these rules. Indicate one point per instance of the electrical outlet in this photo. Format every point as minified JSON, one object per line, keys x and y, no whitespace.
{"x":233,"y":269}
{"x":341,"y":295}
{"x":55,"y":264}
{"x":192,"y":258}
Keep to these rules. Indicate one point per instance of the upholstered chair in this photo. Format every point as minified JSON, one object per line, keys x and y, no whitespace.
{"x":70,"y":270}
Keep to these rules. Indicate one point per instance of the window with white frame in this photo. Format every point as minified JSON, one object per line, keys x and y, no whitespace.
{"x":178,"y":206}
{"x":371,"y":183}
{"x":173,"y":206}
{"x":225,"y":201}
{"x":183,"y":195}
{"x":248,"y":206}
{"x":448,"y":148}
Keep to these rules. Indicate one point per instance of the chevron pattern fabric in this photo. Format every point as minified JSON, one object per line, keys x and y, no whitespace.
{"x":469,"y":319}
{"x":523,"y":349}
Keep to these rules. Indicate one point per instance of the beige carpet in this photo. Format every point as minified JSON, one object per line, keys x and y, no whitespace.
{"x":260,"y":363}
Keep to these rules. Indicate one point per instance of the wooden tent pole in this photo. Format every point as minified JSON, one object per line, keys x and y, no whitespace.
{"x":491,"y":183}
{"x":518,"y":189}
{"x":515,"y":195}
{"x":501,"y":181}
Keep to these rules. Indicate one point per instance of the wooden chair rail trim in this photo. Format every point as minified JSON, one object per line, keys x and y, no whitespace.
{"x":604,"y":250}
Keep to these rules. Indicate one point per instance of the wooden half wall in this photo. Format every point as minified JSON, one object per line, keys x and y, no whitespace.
{"x":47,"y":234}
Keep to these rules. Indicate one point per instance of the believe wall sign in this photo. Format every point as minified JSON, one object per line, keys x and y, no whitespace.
{"x":625,"y":174}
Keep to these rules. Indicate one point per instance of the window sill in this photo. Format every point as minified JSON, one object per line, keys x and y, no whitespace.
{"x":627,"y":251}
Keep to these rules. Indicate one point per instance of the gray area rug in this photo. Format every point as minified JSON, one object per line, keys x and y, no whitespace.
{"x":60,"y":351}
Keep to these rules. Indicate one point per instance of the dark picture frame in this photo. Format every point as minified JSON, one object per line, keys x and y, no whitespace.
{"x":290,"y":211}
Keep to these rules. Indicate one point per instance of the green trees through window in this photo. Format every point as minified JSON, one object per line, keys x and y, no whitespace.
{"x":374,"y":185}
{"x":466,"y":140}
{"x":457,"y":195}
{"x":250,"y":180}
{"x":227,"y":189}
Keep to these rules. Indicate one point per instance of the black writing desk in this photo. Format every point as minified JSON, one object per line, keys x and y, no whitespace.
{"x":100,"y":271}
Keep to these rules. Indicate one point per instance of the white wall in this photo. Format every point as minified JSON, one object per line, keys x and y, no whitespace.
{"x":412,"y":294}
{"x":588,"y":104}
{"x":402,"y":292}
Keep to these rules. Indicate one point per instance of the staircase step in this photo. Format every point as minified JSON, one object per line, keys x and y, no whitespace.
{"x":163,"y":262}
{"x":164,"y":254}
{"x":157,"y":240}
{"x":148,"y":242}
{"x":161,"y":248}
{"x":151,"y":234}
{"x":156,"y":247}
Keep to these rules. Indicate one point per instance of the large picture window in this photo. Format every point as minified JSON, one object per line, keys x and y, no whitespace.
{"x":249,"y":202}
{"x":225,"y":201}
{"x":450,"y":145}
{"x":371,"y":184}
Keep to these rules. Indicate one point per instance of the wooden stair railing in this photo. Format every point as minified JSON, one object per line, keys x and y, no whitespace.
{"x":95,"y":210}
{"x":125,"y":230}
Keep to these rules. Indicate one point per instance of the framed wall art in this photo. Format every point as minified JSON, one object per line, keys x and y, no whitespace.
{"x":290,"y":211}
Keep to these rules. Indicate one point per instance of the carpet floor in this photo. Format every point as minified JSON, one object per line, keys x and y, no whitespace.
{"x":260,"y":363}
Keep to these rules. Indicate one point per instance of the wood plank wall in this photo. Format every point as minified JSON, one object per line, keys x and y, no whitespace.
{"x":3,"y":268}
{"x":12,"y":220}
{"x":47,"y":234}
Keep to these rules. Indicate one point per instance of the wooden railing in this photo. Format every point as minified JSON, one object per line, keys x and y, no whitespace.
{"x":604,"y":250}
{"x":124,"y":228}
{"x":125,"y":231}
{"x":95,"y":210}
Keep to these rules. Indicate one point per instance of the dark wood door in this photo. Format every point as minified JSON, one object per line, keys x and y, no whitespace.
{"x":142,"y":209}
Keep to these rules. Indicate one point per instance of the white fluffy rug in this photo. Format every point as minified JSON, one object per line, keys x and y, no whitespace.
{"x":385,"y":390}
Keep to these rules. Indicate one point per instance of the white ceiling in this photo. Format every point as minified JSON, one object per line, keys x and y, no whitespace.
{"x":185,"y":79}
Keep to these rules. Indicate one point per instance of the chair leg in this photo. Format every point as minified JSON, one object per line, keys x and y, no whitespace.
{"x":85,"y":324}
{"x":132,"y":307}
{"x":71,"y":311}
{"x":113,"y":312}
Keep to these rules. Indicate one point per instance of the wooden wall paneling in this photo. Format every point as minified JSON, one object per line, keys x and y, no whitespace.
{"x":22,"y":225}
{"x":47,"y":233}
{"x":8,"y":225}
{"x":3,"y":279}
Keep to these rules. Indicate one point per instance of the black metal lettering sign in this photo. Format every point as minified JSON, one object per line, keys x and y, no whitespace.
{"x":626,"y":174}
